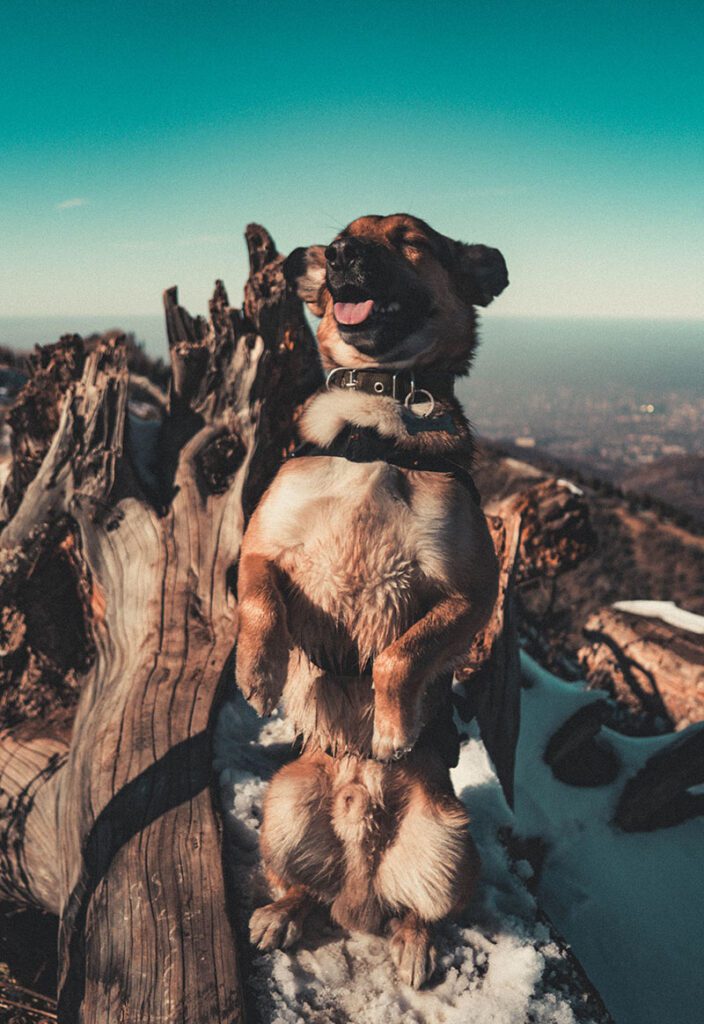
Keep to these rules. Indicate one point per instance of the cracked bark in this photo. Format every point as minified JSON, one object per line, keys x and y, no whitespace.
{"x":110,"y":821}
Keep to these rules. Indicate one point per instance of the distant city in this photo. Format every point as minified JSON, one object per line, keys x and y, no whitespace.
{"x":610,"y":431}
{"x":617,"y":401}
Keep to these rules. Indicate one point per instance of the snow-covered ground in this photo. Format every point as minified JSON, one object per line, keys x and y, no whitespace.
{"x":666,"y":611}
{"x":629,"y":904}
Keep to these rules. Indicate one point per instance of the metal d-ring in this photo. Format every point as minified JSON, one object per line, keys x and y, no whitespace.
{"x":411,"y":397}
{"x":331,"y":376}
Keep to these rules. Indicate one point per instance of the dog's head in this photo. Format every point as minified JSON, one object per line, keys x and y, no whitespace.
{"x":391,"y":290}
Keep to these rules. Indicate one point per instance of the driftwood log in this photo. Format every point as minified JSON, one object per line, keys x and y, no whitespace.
{"x":653,"y":669}
{"x":656,"y":671}
{"x":112,"y":826}
{"x":668,"y":789}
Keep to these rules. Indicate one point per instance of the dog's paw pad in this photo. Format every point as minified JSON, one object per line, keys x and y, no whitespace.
{"x":273,"y":927}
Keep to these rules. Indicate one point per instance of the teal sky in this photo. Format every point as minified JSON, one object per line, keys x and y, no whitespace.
{"x":137,"y":140}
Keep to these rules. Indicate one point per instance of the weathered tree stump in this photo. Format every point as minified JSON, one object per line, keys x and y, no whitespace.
{"x":542,"y":531}
{"x":489,"y":677}
{"x":114,"y":828}
{"x":556,"y":531}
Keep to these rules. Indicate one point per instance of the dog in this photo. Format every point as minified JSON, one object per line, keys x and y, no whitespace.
{"x":365,"y":572}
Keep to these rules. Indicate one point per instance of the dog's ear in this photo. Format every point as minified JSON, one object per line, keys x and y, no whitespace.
{"x":304,"y":270}
{"x":479,"y":273}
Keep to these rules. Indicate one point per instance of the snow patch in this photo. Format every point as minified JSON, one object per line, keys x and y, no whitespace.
{"x":666,"y":611}
{"x":572,"y":488}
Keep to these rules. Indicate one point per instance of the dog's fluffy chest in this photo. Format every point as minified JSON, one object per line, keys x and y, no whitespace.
{"x":365,"y":547}
{"x":346,"y":530}
{"x":362,"y":542}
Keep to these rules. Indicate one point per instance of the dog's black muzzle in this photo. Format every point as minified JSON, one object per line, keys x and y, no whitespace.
{"x":359,"y":266}
{"x":358,"y":270}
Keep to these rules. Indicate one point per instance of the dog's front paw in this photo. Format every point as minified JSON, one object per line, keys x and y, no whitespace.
{"x":274,"y":926}
{"x":392,"y":739}
{"x":261,"y":679}
{"x":397,"y":714}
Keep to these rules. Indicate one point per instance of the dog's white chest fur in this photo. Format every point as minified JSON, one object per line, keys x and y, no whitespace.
{"x":360,"y":540}
{"x":365,"y":549}
{"x":356,"y":540}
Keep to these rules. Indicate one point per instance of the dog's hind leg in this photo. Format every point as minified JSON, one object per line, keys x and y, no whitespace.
{"x":412,"y":949}
{"x":427,"y":872}
{"x":298,"y":842}
{"x":300,"y":851}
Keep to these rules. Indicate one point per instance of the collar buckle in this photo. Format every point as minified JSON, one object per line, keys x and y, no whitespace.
{"x":332,"y":382}
{"x":353,"y":378}
{"x":394,"y":386}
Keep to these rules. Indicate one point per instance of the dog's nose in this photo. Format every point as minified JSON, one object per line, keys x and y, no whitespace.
{"x":343,"y":253}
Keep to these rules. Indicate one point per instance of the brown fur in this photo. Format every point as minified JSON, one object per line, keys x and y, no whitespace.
{"x":360,"y":585}
{"x":370,"y":840}
{"x":459,"y":277}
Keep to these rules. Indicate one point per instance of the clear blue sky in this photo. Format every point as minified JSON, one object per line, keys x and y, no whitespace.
{"x":137,"y":139}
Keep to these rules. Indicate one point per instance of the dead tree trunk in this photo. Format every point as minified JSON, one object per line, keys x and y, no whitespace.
{"x":542,"y":531}
{"x":490,"y":675}
{"x":115,"y":830}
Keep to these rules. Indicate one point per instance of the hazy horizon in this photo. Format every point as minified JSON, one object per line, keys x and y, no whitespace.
{"x":586,"y":352}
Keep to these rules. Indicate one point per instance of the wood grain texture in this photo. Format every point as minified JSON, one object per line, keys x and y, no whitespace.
{"x":30,"y":767}
{"x":118,"y":832}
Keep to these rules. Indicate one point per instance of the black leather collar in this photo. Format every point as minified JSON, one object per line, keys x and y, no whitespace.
{"x":398,"y":384}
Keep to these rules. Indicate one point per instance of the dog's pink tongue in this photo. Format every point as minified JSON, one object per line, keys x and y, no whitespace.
{"x":352,"y":312}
